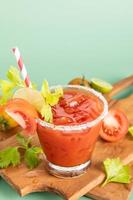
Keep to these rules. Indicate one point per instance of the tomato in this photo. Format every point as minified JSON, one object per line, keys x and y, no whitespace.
{"x":79,"y":81}
{"x":21,"y":105}
{"x":23,"y":113}
{"x":27,"y":122}
{"x":114,"y":126}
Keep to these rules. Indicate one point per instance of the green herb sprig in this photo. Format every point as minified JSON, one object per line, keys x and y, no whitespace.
{"x":11,"y":156}
{"x":14,"y":81}
{"x":50,"y":99}
{"x":116,"y":171}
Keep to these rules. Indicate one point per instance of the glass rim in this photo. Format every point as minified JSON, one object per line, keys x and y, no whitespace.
{"x":83,"y":125}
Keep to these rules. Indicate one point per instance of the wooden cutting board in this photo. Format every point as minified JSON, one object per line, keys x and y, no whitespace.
{"x":116,"y":191}
{"x":26,"y":181}
{"x":112,"y":191}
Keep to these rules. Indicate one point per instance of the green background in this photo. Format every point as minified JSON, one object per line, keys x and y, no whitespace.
{"x":63,"y":39}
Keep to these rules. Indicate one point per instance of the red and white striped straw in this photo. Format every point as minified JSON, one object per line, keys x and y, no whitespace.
{"x":22,"y":67}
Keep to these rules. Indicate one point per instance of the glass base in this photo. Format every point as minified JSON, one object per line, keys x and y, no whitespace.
{"x":66,"y":172}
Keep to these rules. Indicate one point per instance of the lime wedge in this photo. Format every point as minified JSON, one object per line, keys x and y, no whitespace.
{"x":130,"y":130}
{"x":101,"y":86}
{"x":34,"y":97}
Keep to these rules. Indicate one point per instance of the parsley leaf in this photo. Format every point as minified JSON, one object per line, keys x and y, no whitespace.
{"x":31,"y":156}
{"x":116,"y":171}
{"x":25,"y":142}
{"x":9,"y":156}
{"x":50,"y":99}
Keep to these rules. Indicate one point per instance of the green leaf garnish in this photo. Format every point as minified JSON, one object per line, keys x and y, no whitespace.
{"x":9,"y":156}
{"x":45,"y":89}
{"x":14,"y":81}
{"x":6,"y":86}
{"x":50,"y":99}
{"x":53,"y":98}
{"x":23,"y":141}
{"x":6,"y":90}
{"x":31,"y":157}
{"x":13,"y":74}
{"x":46,"y":112}
{"x":130,"y":130}
{"x":116,"y":171}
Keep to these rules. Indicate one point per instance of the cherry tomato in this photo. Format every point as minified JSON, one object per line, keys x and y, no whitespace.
{"x":115,"y":126}
{"x":79,"y":81}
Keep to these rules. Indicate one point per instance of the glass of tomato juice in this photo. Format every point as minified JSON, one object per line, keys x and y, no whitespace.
{"x":69,"y":141}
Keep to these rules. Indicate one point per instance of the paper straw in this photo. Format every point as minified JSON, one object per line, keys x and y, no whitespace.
{"x":22,"y":67}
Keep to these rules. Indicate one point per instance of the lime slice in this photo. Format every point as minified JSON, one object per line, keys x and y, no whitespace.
{"x":130,"y":130}
{"x":34,"y":97}
{"x":100,"y":85}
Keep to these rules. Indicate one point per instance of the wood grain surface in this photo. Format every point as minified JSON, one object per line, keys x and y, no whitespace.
{"x":26,"y":181}
{"x":117,"y":191}
{"x":113,"y":191}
